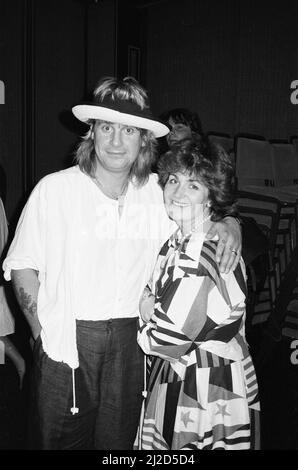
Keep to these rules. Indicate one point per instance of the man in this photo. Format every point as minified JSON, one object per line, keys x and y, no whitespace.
{"x":84,"y":249}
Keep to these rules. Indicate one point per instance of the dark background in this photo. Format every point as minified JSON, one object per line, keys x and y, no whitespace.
{"x":232,"y":61}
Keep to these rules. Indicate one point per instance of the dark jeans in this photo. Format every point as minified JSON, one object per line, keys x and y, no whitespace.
{"x":108,"y":385}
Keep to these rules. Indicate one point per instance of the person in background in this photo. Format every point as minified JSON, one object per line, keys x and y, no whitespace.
{"x":183,"y":124}
{"x":202,"y":391}
{"x":85,"y":247}
{"x":12,"y":365}
{"x":7,"y":327}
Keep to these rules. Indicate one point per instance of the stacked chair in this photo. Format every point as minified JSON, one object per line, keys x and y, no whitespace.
{"x":267,"y":182}
{"x":266,"y":211}
{"x":258,"y":170}
{"x":285,"y":165}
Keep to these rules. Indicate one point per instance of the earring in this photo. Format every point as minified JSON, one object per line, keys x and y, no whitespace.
{"x":208,"y":204}
{"x":207,"y":208}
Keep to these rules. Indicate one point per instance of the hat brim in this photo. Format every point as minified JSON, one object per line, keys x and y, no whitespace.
{"x":84,"y":112}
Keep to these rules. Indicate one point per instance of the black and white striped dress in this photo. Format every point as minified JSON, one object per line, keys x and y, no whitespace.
{"x":202,"y":390}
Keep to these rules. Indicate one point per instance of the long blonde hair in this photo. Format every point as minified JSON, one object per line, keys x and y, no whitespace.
{"x":126,"y":89}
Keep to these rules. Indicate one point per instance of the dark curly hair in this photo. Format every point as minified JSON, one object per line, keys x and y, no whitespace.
{"x":211,"y":165}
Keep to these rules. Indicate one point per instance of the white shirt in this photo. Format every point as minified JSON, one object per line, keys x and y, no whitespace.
{"x":92,"y":263}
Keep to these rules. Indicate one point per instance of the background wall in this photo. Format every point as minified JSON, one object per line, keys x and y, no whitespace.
{"x":192,"y":59}
{"x":11,"y":113}
{"x":50,"y":54}
{"x":232,"y":61}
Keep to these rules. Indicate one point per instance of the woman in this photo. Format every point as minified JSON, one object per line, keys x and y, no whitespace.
{"x":202,"y":389}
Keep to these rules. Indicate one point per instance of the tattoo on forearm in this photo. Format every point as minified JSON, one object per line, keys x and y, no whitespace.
{"x":26,"y":302}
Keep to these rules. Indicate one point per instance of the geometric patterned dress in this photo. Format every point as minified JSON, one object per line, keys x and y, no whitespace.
{"x":202,"y":390}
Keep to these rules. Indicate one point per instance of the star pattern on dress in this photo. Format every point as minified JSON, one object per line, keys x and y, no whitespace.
{"x":186,"y":419}
{"x":193,"y":306}
{"x":222,"y":410}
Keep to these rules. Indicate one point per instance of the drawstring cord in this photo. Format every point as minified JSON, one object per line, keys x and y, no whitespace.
{"x":74,"y":409}
{"x":144,"y":394}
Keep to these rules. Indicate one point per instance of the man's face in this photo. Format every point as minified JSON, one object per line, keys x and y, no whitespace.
{"x":179,"y":131}
{"x":117,"y":146}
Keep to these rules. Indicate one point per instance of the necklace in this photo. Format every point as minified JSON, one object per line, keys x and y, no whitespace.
{"x":182,"y":238}
{"x":108,"y":192}
{"x":196,"y":227}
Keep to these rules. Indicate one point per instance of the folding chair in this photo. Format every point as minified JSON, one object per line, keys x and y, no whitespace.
{"x":253,"y":162}
{"x":285,"y":171}
{"x":256,"y":173}
{"x":285,"y":165}
{"x":265,"y":210}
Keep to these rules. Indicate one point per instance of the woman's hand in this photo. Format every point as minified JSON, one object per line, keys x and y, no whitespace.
{"x":146,"y":305}
{"x":228,"y":250}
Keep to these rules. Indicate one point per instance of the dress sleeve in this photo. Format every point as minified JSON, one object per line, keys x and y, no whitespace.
{"x":27,"y":249}
{"x":156,"y":342}
{"x":197,"y":305}
{"x":171,"y":332}
{"x":177,"y":320}
{"x":226,"y":316}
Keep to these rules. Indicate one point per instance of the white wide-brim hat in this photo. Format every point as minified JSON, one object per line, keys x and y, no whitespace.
{"x":120,"y":111}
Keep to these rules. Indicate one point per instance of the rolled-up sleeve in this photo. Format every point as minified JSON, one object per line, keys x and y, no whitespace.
{"x":27,"y":250}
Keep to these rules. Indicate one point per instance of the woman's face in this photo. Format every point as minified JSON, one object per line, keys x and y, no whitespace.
{"x":179,"y":131}
{"x":186,"y":199}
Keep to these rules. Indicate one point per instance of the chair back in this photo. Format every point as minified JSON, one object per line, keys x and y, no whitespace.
{"x":285,"y":164}
{"x":265,"y":210}
{"x":253,"y":162}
